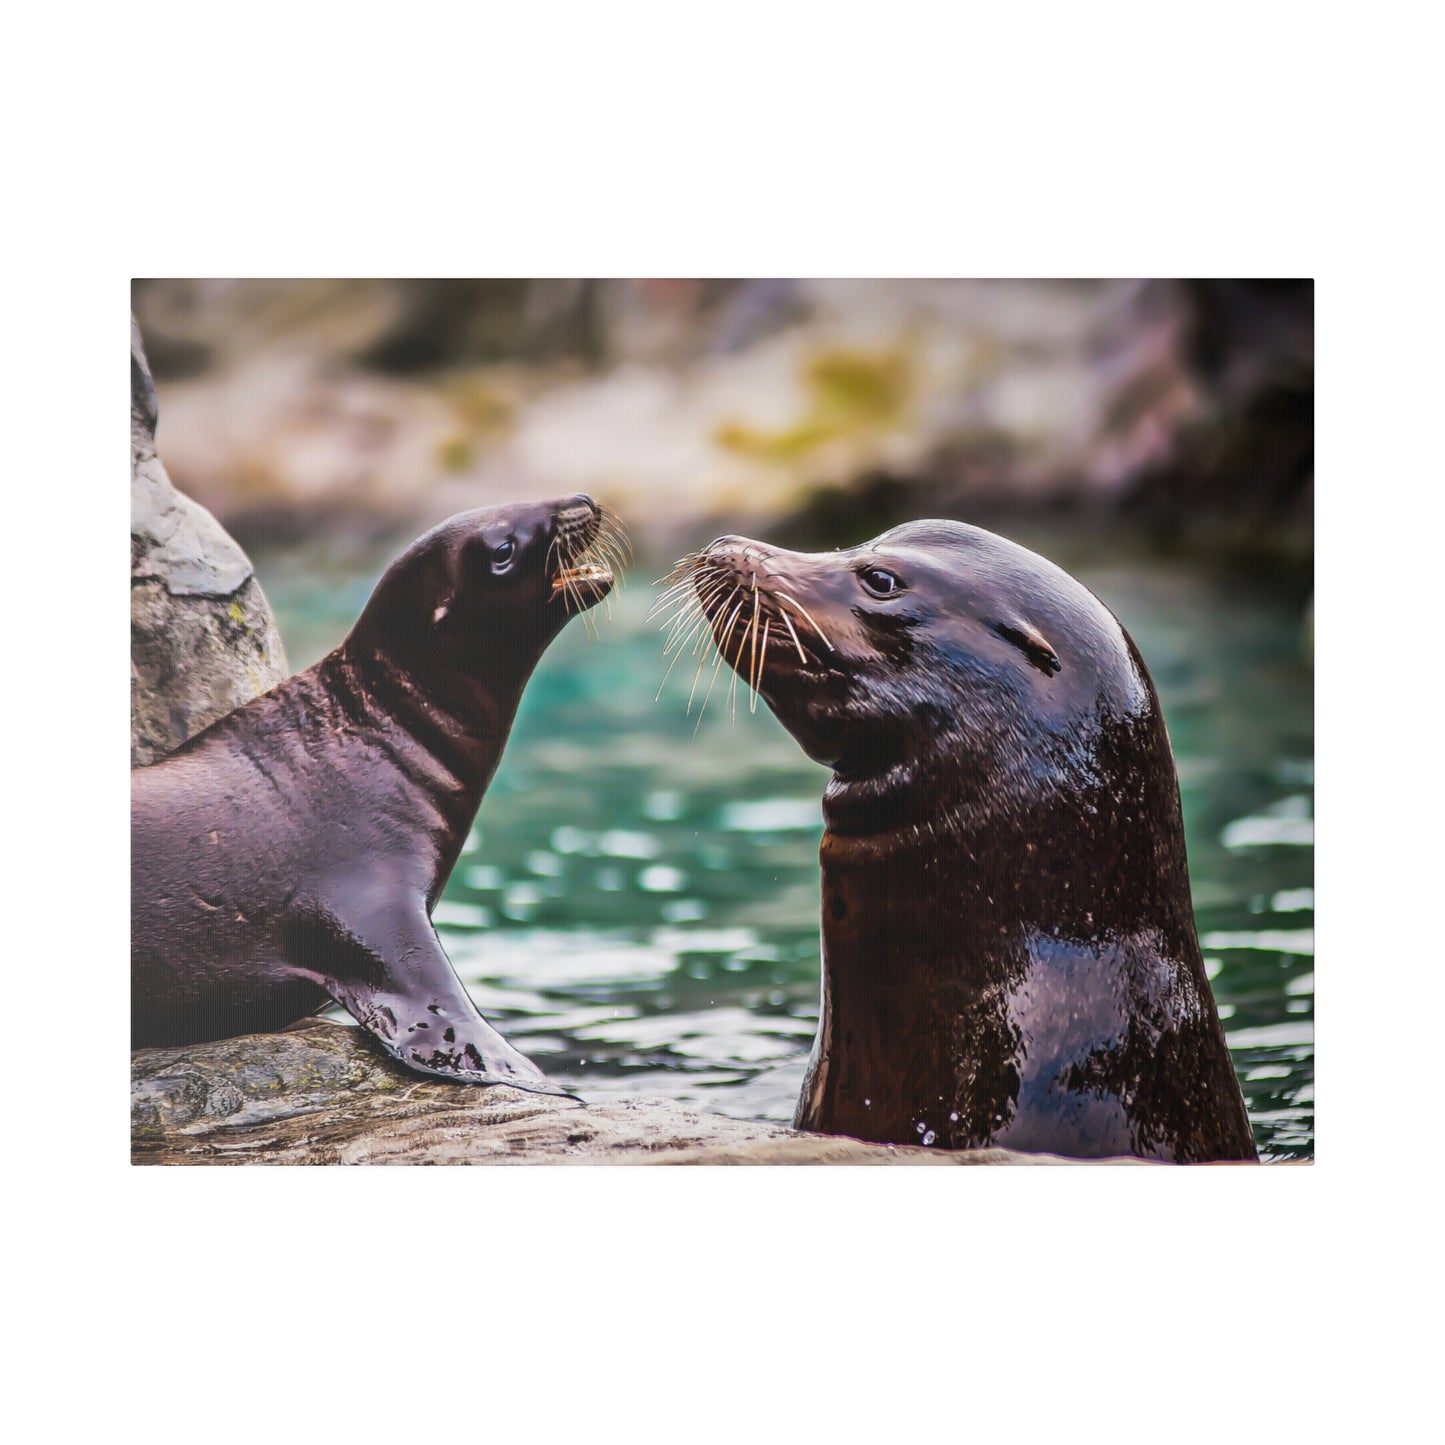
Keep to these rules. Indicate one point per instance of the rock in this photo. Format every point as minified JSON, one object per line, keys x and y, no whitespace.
{"x":323,"y":1093}
{"x":202,"y":637}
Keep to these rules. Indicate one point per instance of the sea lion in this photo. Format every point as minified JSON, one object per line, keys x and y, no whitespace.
{"x":290,"y":855}
{"x":1009,"y":954}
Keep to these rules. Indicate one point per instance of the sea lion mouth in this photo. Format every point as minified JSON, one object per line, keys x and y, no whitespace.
{"x":590,"y":574}
{"x":587,"y":555}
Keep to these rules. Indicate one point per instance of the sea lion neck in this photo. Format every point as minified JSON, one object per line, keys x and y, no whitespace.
{"x":460,"y":720}
{"x":898,"y":809}
{"x":1077,"y":831}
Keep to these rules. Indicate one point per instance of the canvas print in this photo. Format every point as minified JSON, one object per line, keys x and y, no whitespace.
{"x":722,"y":721}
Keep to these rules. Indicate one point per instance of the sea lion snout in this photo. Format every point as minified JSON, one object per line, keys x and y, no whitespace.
{"x":581,"y":515}
{"x":739,"y":552}
{"x":589,"y":547}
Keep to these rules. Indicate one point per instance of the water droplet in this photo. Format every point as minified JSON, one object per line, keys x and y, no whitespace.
{"x":953,"y":1117}
{"x":929,"y":1137}
{"x":921,"y":1126}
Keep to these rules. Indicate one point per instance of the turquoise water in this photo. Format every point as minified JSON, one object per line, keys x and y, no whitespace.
{"x":637,"y":906}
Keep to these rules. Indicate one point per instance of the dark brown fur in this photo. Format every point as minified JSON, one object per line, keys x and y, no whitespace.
{"x":1009,"y":952}
{"x":290,"y":855}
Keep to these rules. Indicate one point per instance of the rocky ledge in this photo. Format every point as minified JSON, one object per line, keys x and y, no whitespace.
{"x":323,"y":1093}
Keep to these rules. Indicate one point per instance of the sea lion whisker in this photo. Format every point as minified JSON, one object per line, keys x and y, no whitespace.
{"x":587,"y":619}
{"x":698,"y":626}
{"x":753,"y":664}
{"x":728,"y":625}
{"x":677,"y":592}
{"x":688,"y":623}
{"x":599,"y":556}
{"x":680,"y":586}
{"x":618,"y":554}
{"x":696,"y":677}
{"x":665,"y":604}
{"x":732,"y":624}
{"x":712,"y":682}
{"x":615,"y":528}
{"x":689,"y":618}
{"x":693,"y":626}
{"x":722,"y":645}
{"x":708,"y":591}
{"x":762,"y":662}
{"x":677,"y":624}
{"x":685,"y":567}
{"x":717,"y":662}
{"x":803,"y":656}
{"x":610,"y":541}
{"x":737,"y":665}
{"x":691,"y":607}
{"x":704,"y":601}
{"x":805,"y":613}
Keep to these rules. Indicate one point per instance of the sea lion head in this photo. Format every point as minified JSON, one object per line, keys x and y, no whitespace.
{"x":486,"y":591}
{"x":931,"y":665}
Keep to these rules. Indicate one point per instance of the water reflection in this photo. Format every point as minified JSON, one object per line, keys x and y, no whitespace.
{"x":638,"y":908}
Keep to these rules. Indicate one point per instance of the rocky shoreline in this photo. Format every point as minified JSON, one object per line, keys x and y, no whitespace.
{"x":323,"y":1093}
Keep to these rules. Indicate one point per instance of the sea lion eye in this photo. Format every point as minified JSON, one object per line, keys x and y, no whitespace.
{"x":880,"y":582}
{"x":502,"y":555}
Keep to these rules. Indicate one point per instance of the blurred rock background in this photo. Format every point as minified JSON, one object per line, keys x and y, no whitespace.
{"x":824,"y":410}
{"x":202,"y":636}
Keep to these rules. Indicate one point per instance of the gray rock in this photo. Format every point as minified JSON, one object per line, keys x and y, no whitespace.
{"x":203,"y":640}
{"x":323,"y":1093}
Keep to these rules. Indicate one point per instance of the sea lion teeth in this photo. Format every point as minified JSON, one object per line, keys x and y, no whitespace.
{"x":1009,"y":952}
{"x":589,"y":572}
{"x":337,"y":804}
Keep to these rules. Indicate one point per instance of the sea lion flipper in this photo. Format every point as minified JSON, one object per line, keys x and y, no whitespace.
{"x":389,"y":971}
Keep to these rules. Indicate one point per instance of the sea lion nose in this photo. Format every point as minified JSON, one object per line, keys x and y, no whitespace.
{"x":580,"y":513}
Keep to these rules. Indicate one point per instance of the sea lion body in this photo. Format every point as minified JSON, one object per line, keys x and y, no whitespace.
{"x":1009,"y":952}
{"x":290,"y":855}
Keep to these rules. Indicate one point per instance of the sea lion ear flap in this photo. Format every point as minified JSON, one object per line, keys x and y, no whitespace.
{"x":447,"y":586}
{"x":1032,"y":643}
{"x":462,"y":561}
